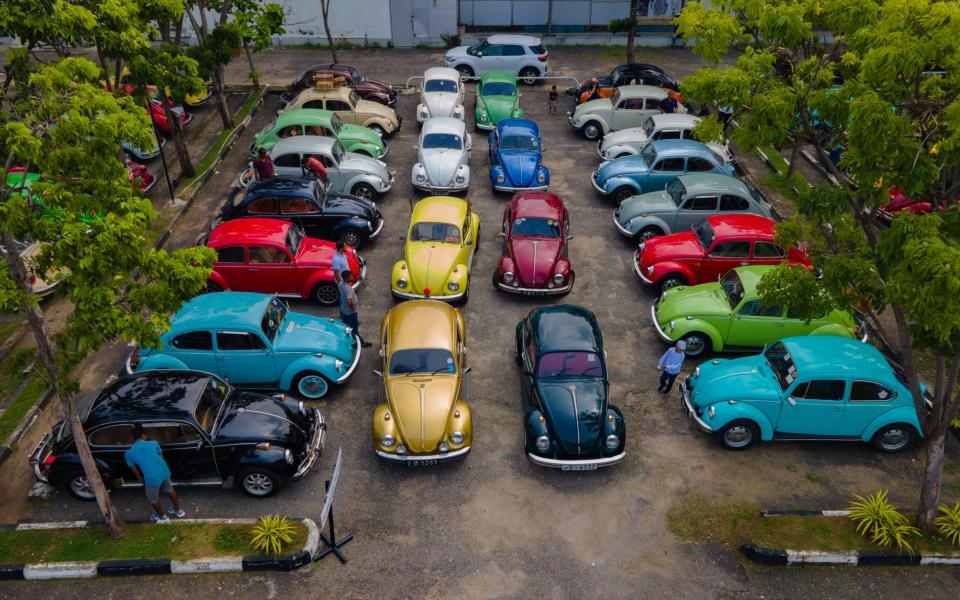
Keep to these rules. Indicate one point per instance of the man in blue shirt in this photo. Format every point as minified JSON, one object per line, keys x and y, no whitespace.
{"x":146,"y":460}
{"x":339,"y":263}
{"x":669,"y":366}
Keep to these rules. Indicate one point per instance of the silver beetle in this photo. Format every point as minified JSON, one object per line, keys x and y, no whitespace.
{"x":673,"y":126}
{"x":441,"y":94}
{"x":443,"y":158}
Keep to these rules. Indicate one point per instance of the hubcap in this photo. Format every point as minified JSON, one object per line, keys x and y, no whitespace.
{"x":695,"y":344}
{"x":81,"y":487}
{"x":327,"y":294}
{"x":671,"y":282}
{"x":258,"y":484}
{"x":737,"y":436}
{"x":648,"y":234}
{"x":591,"y":131}
{"x":351,"y":238}
{"x":362,"y":191}
{"x":894,"y":439}
{"x":312,"y":386}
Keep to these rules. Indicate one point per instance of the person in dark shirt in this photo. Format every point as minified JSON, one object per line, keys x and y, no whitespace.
{"x":263,"y":165}
{"x":668,"y":105}
{"x":552,"y":100}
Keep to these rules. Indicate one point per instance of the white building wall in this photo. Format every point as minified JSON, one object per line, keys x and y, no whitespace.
{"x":354,"y":20}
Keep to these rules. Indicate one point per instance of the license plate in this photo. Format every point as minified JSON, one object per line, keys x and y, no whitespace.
{"x":424,"y":462}
{"x":578,"y":468}
{"x":532,"y":293}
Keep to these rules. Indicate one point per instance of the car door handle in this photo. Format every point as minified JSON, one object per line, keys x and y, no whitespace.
{"x":839,"y":409}
{"x":252,"y":269}
{"x":744,"y":263}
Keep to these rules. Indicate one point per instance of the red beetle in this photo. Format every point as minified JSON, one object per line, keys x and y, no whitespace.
{"x":140,"y":176}
{"x":275,"y":257}
{"x":534,"y":262}
{"x":716,"y":245}
{"x":157,"y":114}
{"x":900,"y":202}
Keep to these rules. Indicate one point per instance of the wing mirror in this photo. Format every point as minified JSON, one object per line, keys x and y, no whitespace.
{"x":791,"y":400}
{"x":569,"y":236}
{"x":467,"y":370}
{"x":378,"y":373}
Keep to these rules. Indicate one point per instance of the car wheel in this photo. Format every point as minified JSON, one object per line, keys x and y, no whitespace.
{"x":495,"y":280}
{"x":326,"y":293}
{"x":592,"y":130}
{"x":671,"y":281}
{"x":465,"y":70}
{"x":364,"y":190}
{"x":697,"y":343}
{"x":528,"y":75}
{"x":258,"y":482}
{"x":462,"y":301}
{"x":622,"y":193}
{"x":649,"y":232}
{"x":212,"y":287}
{"x":78,"y":486}
{"x":351,"y":237}
{"x":738,"y":435}
{"x":893,"y":438}
{"x":311,"y":385}
{"x":476,"y":247}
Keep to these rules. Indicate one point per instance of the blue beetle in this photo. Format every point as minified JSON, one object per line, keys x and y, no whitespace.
{"x":515,"y":155}
{"x":656,"y":165}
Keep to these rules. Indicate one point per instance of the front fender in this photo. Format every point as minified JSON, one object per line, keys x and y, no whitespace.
{"x":505,"y":264}
{"x":669,"y":266}
{"x":614,"y":425}
{"x":462,"y":423}
{"x":325,"y":365}
{"x":400,"y":271}
{"x":459,"y":275}
{"x":833,"y":329}
{"x":584,"y":119}
{"x":727,"y":413}
{"x":371,"y":180}
{"x":416,"y":172}
{"x":365,"y":148}
{"x":638,"y":224}
{"x":682,"y":327}
{"x":255,"y":457}
{"x":352,"y":223}
{"x":315,"y":279}
{"x":620,"y":150}
{"x":901,"y":414}
{"x":545,"y":173}
{"x":535,"y":427}
{"x":160,"y":361}
{"x":218,"y":279}
{"x":497,"y":171}
{"x":384,"y":424}
{"x":619,"y":181}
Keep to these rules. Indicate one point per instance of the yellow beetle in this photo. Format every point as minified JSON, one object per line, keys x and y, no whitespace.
{"x":424,"y":418}
{"x":441,"y":242}
{"x":190,"y":100}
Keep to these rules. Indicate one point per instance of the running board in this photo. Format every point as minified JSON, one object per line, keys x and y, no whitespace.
{"x":210,"y":481}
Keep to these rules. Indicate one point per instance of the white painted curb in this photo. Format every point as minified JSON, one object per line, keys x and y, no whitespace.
{"x":813,"y":557}
{"x":60,"y":570}
{"x":207,"y":565}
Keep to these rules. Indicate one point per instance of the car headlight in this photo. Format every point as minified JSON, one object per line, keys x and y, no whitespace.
{"x":712,"y":412}
{"x":650,"y":270}
{"x":424,"y":115}
{"x":500,"y":179}
{"x":348,"y":330}
{"x":387,"y":441}
{"x":483,"y":117}
{"x":541,"y":178}
{"x":508,"y":277}
{"x":401,"y":449}
{"x":338,"y":364}
{"x":453,"y":286}
{"x":612,"y":442}
{"x":558,"y":278}
{"x":460,"y":179}
{"x":670,"y":326}
{"x":457,"y":437}
{"x":543,"y":443}
{"x":443,"y":447}
{"x":641,"y":247}
{"x":402,"y":283}
{"x":449,"y":59}
{"x":421,"y":178}
{"x":458,"y":112}
{"x":288,"y":456}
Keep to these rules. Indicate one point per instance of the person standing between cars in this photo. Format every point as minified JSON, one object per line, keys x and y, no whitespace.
{"x":314,"y":166}
{"x":145,"y":458}
{"x":552,"y":100}
{"x":668,"y":105}
{"x":263,"y":165}
{"x":339,"y":263}
{"x":669,"y":366}
{"x":349,"y":305}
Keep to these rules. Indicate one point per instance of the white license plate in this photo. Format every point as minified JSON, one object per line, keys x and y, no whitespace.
{"x":578,"y":468}
{"x":423,"y":463}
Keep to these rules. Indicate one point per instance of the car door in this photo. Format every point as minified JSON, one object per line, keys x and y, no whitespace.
{"x":492,"y":59}
{"x":306,"y":213}
{"x":697,"y":164}
{"x":232,"y":266}
{"x":627,"y":113}
{"x":493,"y":146}
{"x":812,"y":408}
{"x":338,"y":179}
{"x":189,"y":454}
{"x":288,"y":165}
{"x":271,"y":270}
{"x":767,"y":253}
{"x":467,"y":243}
{"x":343,"y":109}
{"x":243,"y":358}
{"x":866,"y":401}
{"x":512,"y":59}
{"x":793,"y":325}
{"x":724,"y":256}
{"x":693,"y":210}
{"x":194,"y":349}
{"x":108,"y":443}
{"x":528,"y":363}
{"x":755,"y":324}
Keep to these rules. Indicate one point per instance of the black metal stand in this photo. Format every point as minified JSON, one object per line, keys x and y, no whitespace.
{"x":163,"y":157}
{"x":332,"y":543}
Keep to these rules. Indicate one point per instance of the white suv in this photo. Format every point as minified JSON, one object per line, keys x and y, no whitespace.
{"x":520,"y":54}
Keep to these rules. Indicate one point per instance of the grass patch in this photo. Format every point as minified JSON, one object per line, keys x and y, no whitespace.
{"x":18,"y":408}
{"x":11,"y":370}
{"x":9,"y":325}
{"x":700,"y":520}
{"x":181,"y":541}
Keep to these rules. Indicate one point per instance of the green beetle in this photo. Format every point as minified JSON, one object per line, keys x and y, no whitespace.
{"x":315,"y":121}
{"x":497,"y":99}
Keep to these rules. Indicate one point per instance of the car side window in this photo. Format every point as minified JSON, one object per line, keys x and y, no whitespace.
{"x":733,"y":203}
{"x":466,"y":228}
{"x":112,"y":435}
{"x":820,"y":389}
{"x":193,"y":340}
{"x":172,"y":433}
{"x":731,"y":250}
{"x":695,"y":164}
{"x":287,"y":160}
{"x":669,"y":164}
{"x":631,"y":104}
{"x":868,"y":391}
{"x":337,"y":105}
{"x":319,"y":130}
{"x":296,"y":206}
{"x":493,"y":50}
{"x":687,"y":134}
{"x":262,"y":206}
{"x":768,"y":250}
{"x":289,"y":131}
{"x":512,"y":50}
{"x":266,"y":255}
{"x":238,"y":340}
{"x":704,"y":203}
{"x":531,"y":350}
{"x":755,"y":308}
{"x":326,"y":160}
{"x":667,"y":134}
{"x":232,"y":254}
{"x":313,"y":104}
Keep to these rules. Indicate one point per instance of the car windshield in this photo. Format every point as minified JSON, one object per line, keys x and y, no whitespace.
{"x":499,"y":88}
{"x":336,"y":123}
{"x":422,"y":360}
{"x":649,"y":154}
{"x":354,"y":74}
{"x":781,"y":363}
{"x":337,"y":151}
{"x":677,"y":191}
{"x":649,"y":127}
{"x":435,"y":232}
{"x":733,"y":288}
{"x":440,"y":85}
{"x":273,"y":317}
{"x":210,"y":402}
{"x":478,"y":47}
{"x":518,"y":142}
{"x":442,"y":141}
{"x":527,"y":227}
{"x":294,"y":239}
{"x":705,"y":234}
{"x":569,"y":364}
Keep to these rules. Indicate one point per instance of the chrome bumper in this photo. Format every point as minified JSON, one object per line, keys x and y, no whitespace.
{"x":412,"y":296}
{"x":422,"y":460}
{"x":377,"y":231}
{"x":150,"y":186}
{"x":660,"y":332}
{"x":570,"y":120}
{"x":599,"y":151}
{"x":533,"y":291}
{"x":486,"y":126}
{"x":389,"y":184}
{"x":432,"y":189}
{"x":39,"y":454}
{"x":505,"y":188}
{"x":572,"y":464}
{"x":596,"y":186}
{"x":316,"y":446}
{"x":638,"y":270}
{"x":386,"y":150}
{"x":620,"y":227}
{"x":356,"y":361}
{"x":684,"y":397}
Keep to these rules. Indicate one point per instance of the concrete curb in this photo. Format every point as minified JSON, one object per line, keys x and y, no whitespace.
{"x":6,"y":451}
{"x":159,"y":566}
{"x":855,"y":558}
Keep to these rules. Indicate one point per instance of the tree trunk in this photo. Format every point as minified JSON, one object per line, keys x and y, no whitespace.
{"x":253,"y":70}
{"x":932,"y":479}
{"x":183,"y":155}
{"x":794,"y":154}
{"x":116,"y":74}
{"x":325,"y":8}
{"x":178,"y":35}
{"x":221,"y":95}
{"x":632,"y":32}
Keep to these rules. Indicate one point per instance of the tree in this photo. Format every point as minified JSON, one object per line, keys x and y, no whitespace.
{"x":64,"y":125}
{"x":632,"y":31}
{"x":865,"y":89}
{"x":325,"y":10}
{"x":215,"y":50}
{"x":258,"y":22}
{"x":60,"y":24}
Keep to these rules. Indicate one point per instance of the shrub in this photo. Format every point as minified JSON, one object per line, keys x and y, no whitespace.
{"x":451,"y":40}
{"x":271,"y":534}
{"x":879,"y":520}
{"x":616,"y":26}
{"x":948,"y":523}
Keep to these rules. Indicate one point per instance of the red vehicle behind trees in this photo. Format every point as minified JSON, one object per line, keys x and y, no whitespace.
{"x":271,"y":256}
{"x":536,"y":227}
{"x":716,"y":245}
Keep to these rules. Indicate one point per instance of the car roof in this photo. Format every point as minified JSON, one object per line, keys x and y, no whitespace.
{"x":641,"y":67}
{"x":288,"y":185}
{"x":303,"y":143}
{"x":683,"y":120}
{"x":440,"y":209}
{"x":444,"y":125}
{"x":422,"y":324}
{"x":682,"y":148}
{"x":504,"y":76}
{"x":525,"y":40}
{"x":249,"y":230}
{"x":303,"y":115}
{"x":713,"y":183}
{"x":542,"y":205}
{"x":838,"y":356}
{"x":642,"y":91}
{"x":441,"y":73}
{"x":337,"y":92}
{"x":220,"y":309}
{"x":754,"y":226}
{"x":518,"y":127}
{"x":150,"y":395}
{"x":564,"y":327}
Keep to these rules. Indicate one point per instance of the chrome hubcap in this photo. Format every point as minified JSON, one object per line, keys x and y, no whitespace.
{"x":648,"y":234}
{"x":671,"y":283}
{"x":327,"y":294}
{"x":591,"y":131}
{"x":351,"y":238}
{"x":258,"y":484}
{"x":737,"y":436}
{"x":81,"y":487}
{"x":894,"y":439}
{"x":312,"y":386}
{"x":695,"y":344}
{"x":362,"y":191}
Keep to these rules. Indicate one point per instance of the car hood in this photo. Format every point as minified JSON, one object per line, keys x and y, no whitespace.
{"x":345,"y":205}
{"x":748,"y":377}
{"x":373,"y":85}
{"x":357,"y":133}
{"x":440,"y":104}
{"x":671,"y":247}
{"x":533,"y":259}
{"x":421,"y":407}
{"x":706,"y":299}
{"x":625,"y":165}
{"x":598,"y":105}
{"x":254,"y":417}
{"x":440,"y":164}
{"x":500,"y":107}
{"x":301,"y":333}
{"x":652,"y":202}
{"x":520,"y":166}
{"x":633,"y":135}
{"x":429,"y":265}
{"x":362,"y":163}
{"x":574,"y":410}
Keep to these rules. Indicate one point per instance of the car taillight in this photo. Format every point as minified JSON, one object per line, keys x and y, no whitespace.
{"x":542,"y":58}
{"x":48,"y":461}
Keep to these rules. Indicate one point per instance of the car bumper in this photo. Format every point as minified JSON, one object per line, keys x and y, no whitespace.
{"x":885,"y":215}
{"x":423,"y":460}
{"x":570,"y":120}
{"x":507,"y":188}
{"x":486,"y":126}
{"x":39,"y":454}
{"x":638,"y":270}
{"x":46,"y":290}
{"x":533,"y":291}
{"x":388,"y":185}
{"x":149,"y":186}
{"x":623,"y":230}
{"x":317,"y":442}
{"x":576,"y":465}
{"x":386,"y":149}
{"x":442,"y":188}
{"x":353,"y":365}
{"x":600,"y":150}
{"x":688,"y":408}
{"x":376,"y":231}
{"x":414,"y":296}
{"x":596,"y":186}
{"x":660,"y":332}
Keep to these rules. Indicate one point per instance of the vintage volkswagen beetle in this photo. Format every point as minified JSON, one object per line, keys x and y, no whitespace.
{"x":350,"y":173}
{"x":443,"y":156}
{"x":627,"y":106}
{"x":350,"y":107}
{"x":672,"y":126}
{"x":441,"y":94}
{"x":254,"y":340}
{"x":569,"y":423}
{"x":536,"y":227}
{"x":423,"y":417}
{"x":211,"y":435}
{"x":497,"y":99}
{"x":515,"y":154}
{"x":804,"y":388}
{"x":369,"y":89}
{"x":313,"y":121}
{"x":603,"y":86}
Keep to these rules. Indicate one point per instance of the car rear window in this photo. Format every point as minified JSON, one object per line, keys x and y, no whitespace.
{"x":538,"y":49}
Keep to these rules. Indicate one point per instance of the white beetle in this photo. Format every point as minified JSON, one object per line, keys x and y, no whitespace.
{"x":443,"y":158}
{"x":441,"y":94}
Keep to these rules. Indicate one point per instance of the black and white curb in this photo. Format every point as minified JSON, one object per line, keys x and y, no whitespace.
{"x":160,"y":566}
{"x":861,"y":558}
